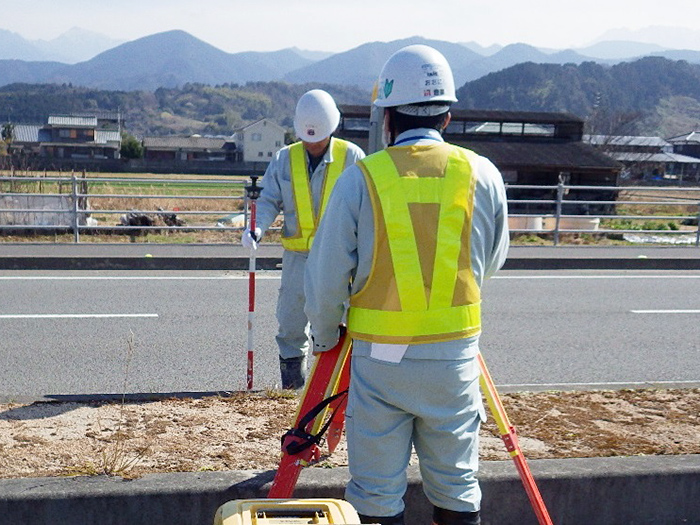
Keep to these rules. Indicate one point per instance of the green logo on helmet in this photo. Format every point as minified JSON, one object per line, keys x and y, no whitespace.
{"x":388,"y":87}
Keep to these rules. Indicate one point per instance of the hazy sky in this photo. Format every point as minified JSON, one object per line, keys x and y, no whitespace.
{"x":330,"y":25}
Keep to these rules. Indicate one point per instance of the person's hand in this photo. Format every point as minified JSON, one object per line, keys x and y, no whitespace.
{"x":319,"y":348}
{"x":250,"y":239}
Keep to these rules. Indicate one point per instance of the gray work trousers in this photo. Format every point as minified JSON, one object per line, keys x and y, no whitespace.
{"x":434,"y":406}
{"x":293,"y":333}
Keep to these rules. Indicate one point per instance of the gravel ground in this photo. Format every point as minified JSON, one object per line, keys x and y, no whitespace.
{"x":243,"y":431}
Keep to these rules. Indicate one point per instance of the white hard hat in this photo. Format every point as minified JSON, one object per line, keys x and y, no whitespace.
{"x":416,"y":74}
{"x":316,"y":116}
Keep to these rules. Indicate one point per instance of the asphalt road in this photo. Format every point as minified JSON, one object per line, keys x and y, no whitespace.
{"x":85,"y":333}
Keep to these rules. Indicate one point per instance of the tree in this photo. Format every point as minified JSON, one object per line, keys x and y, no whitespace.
{"x":131,"y":147}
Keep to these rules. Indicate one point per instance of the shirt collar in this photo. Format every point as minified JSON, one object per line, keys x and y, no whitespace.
{"x":420,"y":136}
{"x":327,"y":157}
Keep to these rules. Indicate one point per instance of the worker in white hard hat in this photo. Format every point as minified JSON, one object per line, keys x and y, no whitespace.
{"x":298,"y":182}
{"x":415,"y":229}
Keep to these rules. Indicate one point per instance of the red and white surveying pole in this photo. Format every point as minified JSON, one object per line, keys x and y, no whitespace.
{"x":252,"y":192}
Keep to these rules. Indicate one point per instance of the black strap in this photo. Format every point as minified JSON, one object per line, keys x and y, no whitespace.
{"x":308,"y":439}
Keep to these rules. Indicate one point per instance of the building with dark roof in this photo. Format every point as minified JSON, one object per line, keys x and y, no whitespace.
{"x":194,"y":147}
{"x":529,"y":148}
{"x":254,"y":143}
{"x":650,"y":159}
{"x":687,"y":144}
{"x":69,"y":137}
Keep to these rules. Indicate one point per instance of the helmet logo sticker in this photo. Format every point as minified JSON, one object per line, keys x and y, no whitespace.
{"x":388,"y":87}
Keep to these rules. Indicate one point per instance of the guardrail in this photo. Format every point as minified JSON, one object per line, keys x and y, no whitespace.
{"x":74,"y":209}
{"x":557,"y":223}
{"x":75,"y":217}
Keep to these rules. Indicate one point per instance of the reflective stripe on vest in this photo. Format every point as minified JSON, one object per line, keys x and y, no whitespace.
{"x":306,"y":220}
{"x":422,"y":312}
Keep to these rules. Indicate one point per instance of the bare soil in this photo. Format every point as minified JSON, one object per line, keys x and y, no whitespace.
{"x":242,"y":431}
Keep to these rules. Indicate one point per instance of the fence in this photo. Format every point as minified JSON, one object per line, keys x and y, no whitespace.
{"x":86,"y":204}
{"x":74,"y":210}
{"x":557,"y":223}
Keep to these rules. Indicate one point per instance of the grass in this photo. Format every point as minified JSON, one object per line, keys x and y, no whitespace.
{"x":631,"y":224}
{"x":207,"y":191}
{"x":280,"y":394}
{"x":224,"y":236}
{"x":115,"y":458}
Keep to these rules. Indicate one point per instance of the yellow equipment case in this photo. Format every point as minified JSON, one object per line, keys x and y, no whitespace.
{"x":286,"y":512}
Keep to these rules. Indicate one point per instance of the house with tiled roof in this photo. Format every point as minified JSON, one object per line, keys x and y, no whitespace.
{"x":687,"y":144}
{"x":254,"y":143}
{"x":648,"y":158}
{"x":188,"y":148}
{"x":77,"y":136}
{"x":27,"y":138}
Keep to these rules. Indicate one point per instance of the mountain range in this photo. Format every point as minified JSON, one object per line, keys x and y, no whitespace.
{"x":175,"y":58}
{"x":73,"y":46}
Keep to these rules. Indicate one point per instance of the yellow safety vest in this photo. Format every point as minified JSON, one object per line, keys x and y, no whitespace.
{"x":306,"y":220}
{"x":421,"y":288}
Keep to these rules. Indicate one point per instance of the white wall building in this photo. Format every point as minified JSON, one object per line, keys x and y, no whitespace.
{"x":260,"y":140}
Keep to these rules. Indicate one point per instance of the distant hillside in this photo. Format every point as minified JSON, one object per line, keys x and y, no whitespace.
{"x":650,"y":96}
{"x":514,"y":54}
{"x":668,"y":37}
{"x":361,"y":66}
{"x":642,"y":94}
{"x":75,"y":45}
{"x":168,"y":59}
{"x":172,"y":59}
{"x":194,"y":108}
{"x":173,"y":82}
{"x":14,"y":47}
{"x":175,"y":58}
{"x":13,"y":71}
{"x":619,"y":50}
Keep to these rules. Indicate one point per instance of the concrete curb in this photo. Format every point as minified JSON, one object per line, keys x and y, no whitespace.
{"x":273,"y":263}
{"x":583,"y":263}
{"x":146,"y":256}
{"x":634,"y":490}
{"x":137,"y":263}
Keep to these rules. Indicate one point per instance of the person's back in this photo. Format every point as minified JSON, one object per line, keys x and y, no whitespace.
{"x":415,"y":229}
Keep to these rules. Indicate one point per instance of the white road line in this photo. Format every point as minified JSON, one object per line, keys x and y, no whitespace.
{"x":665,"y":311}
{"x":596,"y":277}
{"x":72,"y":316}
{"x":276,"y":276}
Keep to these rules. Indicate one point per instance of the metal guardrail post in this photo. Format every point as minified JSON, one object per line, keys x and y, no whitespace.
{"x":560,"y":197}
{"x":245,"y":210}
{"x":697,"y":232}
{"x":74,"y":194}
